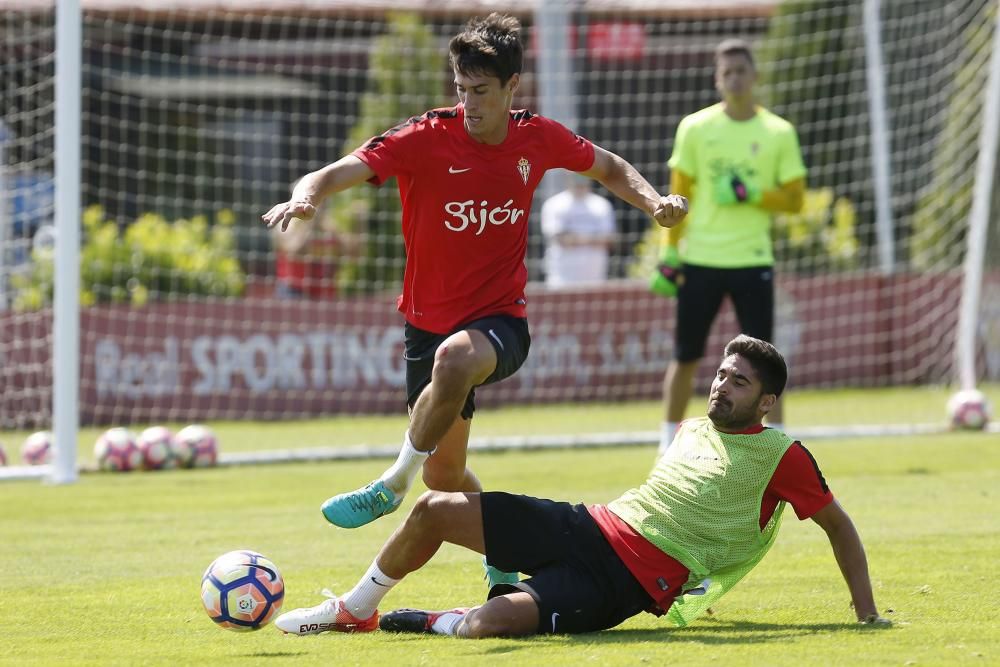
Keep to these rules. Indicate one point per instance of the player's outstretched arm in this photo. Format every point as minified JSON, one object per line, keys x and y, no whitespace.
{"x":626,"y":183}
{"x":850,"y":555}
{"x":314,"y":187}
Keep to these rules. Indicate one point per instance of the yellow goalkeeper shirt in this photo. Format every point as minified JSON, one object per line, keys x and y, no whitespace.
{"x":762,"y":151}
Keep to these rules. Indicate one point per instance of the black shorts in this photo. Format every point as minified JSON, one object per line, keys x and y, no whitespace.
{"x":508,"y":335}
{"x":699,"y":298}
{"x":577,"y":580}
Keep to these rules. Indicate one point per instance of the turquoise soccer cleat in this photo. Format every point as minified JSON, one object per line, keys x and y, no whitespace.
{"x":357,"y":508}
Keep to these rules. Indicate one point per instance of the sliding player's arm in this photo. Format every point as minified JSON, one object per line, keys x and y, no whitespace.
{"x":850,"y":555}
{"x":314,"y":187}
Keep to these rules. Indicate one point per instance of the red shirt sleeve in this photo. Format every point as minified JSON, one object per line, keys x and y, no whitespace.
{"x":568,"y":150}
{"x":798,"y":481}
{"x":393,"y":151}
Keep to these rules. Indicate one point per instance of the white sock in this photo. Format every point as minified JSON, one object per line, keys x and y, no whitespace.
{"x":400,"y":475}
{"x":363,"y":599}
{"x":447,"y":623}
{"x":667,"y":432}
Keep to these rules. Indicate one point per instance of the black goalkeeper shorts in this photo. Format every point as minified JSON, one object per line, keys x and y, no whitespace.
{"x":700,"y":296}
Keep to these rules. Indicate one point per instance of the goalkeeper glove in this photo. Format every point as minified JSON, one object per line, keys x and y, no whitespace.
{"x":731,"y":189}
{"x":667,"y":277}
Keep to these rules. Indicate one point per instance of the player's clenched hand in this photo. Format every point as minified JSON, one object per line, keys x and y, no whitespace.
{"x":671,"y":210}
{"x":282,"y":214}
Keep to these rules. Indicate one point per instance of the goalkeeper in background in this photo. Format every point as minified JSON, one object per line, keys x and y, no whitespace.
{"x":738,"y":163}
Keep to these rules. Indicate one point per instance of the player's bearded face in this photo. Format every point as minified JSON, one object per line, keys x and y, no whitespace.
{"x":487,"y":105}
{"x":735,"y":399}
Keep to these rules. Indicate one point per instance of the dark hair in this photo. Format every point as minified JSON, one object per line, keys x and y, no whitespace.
{"x":733,"y":47}
{"x":490,"y":46}
{"x":765,"y":359}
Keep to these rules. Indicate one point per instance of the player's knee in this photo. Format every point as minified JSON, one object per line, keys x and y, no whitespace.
{"x":453,"y":369}
{"x":434,"y":505}
{"x":427,"y":507}
{"x":481,"y":624}
{"x":503,"y":616}
{"x":459,"y":366}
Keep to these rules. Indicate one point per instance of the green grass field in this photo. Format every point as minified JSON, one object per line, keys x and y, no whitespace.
{"x":107,"y":571}
{"x":896,"y":405}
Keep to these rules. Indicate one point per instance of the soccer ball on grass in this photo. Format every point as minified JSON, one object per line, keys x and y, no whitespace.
{"x":116,"y":450}
{"x":242,"y":591}
{"x":37,"y":448}
{"x":156,"y":444}
{"x":969,"y":410}
{"x":196,"y":447}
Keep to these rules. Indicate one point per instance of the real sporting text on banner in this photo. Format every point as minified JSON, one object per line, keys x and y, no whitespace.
{"x":266,"y":359}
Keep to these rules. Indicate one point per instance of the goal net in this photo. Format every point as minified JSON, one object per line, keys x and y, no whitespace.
{"x":198,"y":116}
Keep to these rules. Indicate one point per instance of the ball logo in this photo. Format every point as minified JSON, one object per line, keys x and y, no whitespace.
{"x":246,"y":604}
{"x":465,"y":214}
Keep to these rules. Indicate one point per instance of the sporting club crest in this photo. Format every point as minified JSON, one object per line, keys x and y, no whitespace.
{"x":524,"y":168}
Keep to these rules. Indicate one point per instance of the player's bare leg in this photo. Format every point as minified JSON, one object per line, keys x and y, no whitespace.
{"x":678,"y":385}
{"x":511,"y":615}
{"x":463,"y":361}
{"x":447,"y":469}
{"x":437,"y":517}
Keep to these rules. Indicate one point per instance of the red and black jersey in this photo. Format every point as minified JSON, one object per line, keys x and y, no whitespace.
{"x":465,"y":209}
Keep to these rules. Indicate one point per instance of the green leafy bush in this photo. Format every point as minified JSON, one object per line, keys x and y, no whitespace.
{"x":150,"y":260}
{"x":821,"y":237}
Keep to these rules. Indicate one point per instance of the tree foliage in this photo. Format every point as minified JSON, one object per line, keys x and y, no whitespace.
{"x":150,"y":260}
{"x":405,"y":68}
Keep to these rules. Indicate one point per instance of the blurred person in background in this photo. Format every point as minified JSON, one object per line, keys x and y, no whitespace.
{"x":739,"y":164}
{"x":307,"y":255}
{"x":579,"y":229}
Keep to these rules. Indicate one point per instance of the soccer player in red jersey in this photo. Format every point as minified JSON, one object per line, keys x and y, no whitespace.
{"x":466,"y":177}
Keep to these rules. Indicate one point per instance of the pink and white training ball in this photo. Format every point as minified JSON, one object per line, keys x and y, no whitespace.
{"x":196,"y":446}
{"x":116,"y":450}
{"x":156,"y":445}
{"x":37,"y":448}
{"x":969,"y":410}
